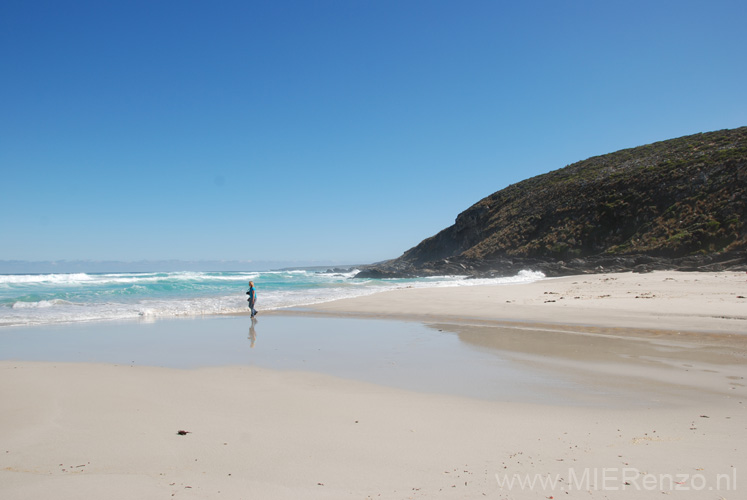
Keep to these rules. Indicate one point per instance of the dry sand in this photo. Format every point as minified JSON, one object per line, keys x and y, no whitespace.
{"x":75,"y":430}
{"x":673,"y":301}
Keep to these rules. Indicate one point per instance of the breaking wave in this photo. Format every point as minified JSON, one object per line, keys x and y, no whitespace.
{"x":65,"y":298}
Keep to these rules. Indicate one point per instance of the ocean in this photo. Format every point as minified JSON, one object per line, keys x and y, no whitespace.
{"x":42,"y":299}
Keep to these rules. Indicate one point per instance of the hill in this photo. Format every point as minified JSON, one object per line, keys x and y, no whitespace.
{"x":675,"y":204}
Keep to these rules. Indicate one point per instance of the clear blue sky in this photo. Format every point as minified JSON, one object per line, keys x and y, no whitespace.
{"x":342,"y":131}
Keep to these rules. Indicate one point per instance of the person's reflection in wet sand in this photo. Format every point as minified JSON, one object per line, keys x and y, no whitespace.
{"x":253,"y":333}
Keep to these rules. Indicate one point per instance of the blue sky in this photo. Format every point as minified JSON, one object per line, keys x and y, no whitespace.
{"x":342,"y":131}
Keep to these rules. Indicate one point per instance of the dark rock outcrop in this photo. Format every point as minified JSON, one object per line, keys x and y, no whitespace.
{"x":676,"y":204}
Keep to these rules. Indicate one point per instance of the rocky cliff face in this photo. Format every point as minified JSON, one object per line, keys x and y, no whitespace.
{"x":680,"y":203}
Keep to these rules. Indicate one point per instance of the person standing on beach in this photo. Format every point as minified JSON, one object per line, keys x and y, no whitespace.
{"x":252,"y":298}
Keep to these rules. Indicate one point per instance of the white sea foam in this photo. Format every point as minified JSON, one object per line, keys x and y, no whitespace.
{"x":40,"y":304}
{"x":104,"y":279}
{"x":44,"y":278}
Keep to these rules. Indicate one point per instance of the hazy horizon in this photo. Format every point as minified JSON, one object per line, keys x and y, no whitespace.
{"x":147,"y":266}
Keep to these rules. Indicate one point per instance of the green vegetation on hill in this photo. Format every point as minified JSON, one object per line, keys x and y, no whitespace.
{"x":674,"y":198}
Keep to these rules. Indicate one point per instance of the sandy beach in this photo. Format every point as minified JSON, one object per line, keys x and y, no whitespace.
{"x":672,"y":301}
{"x":644,"y":377}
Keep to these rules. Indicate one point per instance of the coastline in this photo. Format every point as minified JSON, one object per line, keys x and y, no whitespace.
{"x":102,"y":429}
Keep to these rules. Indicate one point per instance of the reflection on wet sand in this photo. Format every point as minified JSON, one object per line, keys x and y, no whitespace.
{"x":548,"y":364}
{"x":657,"y":362}
{"x":253,"y":332}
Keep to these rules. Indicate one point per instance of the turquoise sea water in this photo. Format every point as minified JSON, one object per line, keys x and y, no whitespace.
{"x":37,"y":299}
